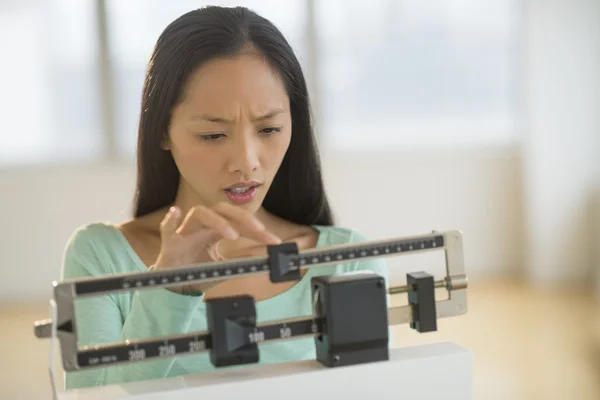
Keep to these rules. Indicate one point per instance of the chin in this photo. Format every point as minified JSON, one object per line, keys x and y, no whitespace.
{"x":250,"y":206}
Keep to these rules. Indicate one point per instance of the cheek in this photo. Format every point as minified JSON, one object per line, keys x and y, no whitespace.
{"x":196,"y":162}
{"x":279,"y":146}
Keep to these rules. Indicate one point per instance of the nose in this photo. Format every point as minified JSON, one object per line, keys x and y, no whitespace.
{"x":244,"y":155}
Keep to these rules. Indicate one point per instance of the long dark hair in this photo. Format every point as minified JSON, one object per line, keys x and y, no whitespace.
{"x":297,"y":193}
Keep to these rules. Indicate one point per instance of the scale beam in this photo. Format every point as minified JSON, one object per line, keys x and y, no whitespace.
{"x":284,"y":262}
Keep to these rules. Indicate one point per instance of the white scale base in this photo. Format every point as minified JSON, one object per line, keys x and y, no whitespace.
{"x":432,"y":371}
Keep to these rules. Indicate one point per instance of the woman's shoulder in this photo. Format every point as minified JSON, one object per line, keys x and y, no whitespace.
{"x":93,"y":249}
{"x":93,"y":233}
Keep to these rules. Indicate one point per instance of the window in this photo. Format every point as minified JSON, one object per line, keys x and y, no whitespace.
{"x":416,"y":73}
{"x":389,"y":73}
{"x":49,"y":97}
{"x":134,"y":27}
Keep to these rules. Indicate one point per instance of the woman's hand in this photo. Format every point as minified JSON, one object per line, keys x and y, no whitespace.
{"x":194,"y":240}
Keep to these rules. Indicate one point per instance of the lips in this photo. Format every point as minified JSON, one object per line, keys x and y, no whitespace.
{"x":242,"y":184}
{"x":243,"y":194}
{"x":240,"y":190}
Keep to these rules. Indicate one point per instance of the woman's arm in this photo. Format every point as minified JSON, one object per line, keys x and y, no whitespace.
{"x":106,"y":319}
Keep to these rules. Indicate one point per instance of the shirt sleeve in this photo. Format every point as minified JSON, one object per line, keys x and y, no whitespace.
{"x":101,"y":319}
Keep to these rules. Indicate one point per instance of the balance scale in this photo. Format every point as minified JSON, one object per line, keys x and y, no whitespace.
{"x":349,"y":324}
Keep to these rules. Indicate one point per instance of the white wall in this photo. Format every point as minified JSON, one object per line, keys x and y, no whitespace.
{"x":400,"y":193}
{"x":596,"y":236}
{"x":383,"y":195}
{"x":39,"y":209}
{"x":561,"y":143}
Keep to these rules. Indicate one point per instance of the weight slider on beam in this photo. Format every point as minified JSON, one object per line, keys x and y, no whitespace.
{"x":421,"y":296}
{"x":450,"y":283}
{"x":280,"y":265}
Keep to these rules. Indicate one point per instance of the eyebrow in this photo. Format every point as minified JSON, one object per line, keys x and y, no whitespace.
{"x":220,"y":120}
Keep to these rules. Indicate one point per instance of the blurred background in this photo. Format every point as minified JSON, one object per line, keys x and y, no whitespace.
{"x":477,"y":115}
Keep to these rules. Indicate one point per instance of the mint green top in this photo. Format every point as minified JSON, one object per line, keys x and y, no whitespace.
{"x":101,"y":249}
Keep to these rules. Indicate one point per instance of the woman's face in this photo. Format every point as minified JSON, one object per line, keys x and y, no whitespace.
{"x":233,"y":127}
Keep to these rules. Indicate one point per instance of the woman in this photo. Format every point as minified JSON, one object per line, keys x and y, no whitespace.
{"x":226,"y":166}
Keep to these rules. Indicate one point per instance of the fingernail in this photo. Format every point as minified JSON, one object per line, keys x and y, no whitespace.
{"x":275,"y":239}
{"x":231,"y":233}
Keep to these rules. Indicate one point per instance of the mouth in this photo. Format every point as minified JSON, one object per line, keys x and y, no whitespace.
{"x":241,"y":190}
{"x":242,"y":194}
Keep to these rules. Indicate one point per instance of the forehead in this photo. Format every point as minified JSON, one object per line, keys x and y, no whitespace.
{"x":227,"y":85}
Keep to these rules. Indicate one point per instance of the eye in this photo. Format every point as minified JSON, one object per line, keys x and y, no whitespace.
{"x":211,"y":137}
{"x":271,"y":130}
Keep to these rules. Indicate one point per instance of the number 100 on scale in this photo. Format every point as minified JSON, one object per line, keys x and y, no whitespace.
{"x":259,"y":336}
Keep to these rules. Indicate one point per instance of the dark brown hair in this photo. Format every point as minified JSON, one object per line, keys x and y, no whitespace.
{"x":297,"y":193}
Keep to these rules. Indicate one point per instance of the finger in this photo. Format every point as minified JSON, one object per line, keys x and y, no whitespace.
{"x":201,"y":218}
{"x":246,"y":223}
{"x":214,"y":253}
{"x":170,"y":222}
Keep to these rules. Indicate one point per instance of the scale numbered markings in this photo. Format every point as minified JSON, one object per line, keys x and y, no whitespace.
{"x":143,"y":350}
{"x":309,"y":258}
{"x":167,"y":277}
{"x":369,"y":250}
{"x":285,"y":330}
{"x":190,"y":344}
